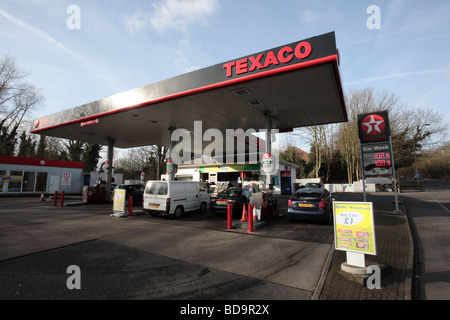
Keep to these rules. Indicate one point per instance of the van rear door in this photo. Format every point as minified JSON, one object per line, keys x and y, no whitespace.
{"x":155,"y":196}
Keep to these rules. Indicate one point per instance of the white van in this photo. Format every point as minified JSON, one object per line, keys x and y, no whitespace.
{"x":175,"y":197}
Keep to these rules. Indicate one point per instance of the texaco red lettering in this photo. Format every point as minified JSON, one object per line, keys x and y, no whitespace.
{"x":256,"y":62}
{"x":306,"y":53}
{"x":282,"y":57}
{"x":285,"y":55}
{"x":241,"y":66}
{"x":271,"y":60}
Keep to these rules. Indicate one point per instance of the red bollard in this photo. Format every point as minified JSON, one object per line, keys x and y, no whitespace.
{"x":229,"y":216}
{"x":62,"y":199}
{"x":250,"y":218}
{"x":130,"y":206}
{"x":55,"y":198}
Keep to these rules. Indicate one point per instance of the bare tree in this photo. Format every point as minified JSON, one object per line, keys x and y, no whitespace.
{"x":17,"y":97}
{"x":148,"y":159}
{"x":411,"y":129}
{"x":358,"y":102}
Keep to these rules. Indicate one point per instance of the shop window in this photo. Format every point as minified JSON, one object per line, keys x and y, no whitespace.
{"x":2,"y":180}
{"x":29,"y":179}
{"x":15,"y":182}
{"x":41,"y":182}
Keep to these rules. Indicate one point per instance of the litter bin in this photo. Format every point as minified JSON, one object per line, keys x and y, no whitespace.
{"x":88,"y":194}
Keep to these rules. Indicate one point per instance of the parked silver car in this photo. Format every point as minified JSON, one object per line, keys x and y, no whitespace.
{"x":311,"y":204}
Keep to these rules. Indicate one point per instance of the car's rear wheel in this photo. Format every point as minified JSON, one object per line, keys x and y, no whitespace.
{"x":203,"y":208}
{"x":178,"y":212}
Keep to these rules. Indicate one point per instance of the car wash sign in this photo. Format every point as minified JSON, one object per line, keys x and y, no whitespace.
{"x":374,"y":135}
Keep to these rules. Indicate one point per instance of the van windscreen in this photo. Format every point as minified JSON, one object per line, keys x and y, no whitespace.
{"x":156,"y":188}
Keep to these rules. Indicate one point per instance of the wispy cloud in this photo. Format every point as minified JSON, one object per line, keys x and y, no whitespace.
{"x":36,"y":31}
{"x":395,"y":75}
{"x":176,"y":15}
{"x":180,"y":14}
{"x":90,"y":65}
{"x":137,"y":21}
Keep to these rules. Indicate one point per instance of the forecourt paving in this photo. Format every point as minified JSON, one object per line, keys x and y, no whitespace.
{"x":31,"y":227}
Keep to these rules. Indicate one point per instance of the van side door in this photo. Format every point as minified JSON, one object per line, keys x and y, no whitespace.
{"x":203,"y":194}
{"x":178,"y":196}
{"x":192,"y":201}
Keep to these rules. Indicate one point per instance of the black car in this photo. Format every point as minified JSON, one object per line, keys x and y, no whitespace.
{"x":311,"y":204}
{"x":237,"y":197}
{"x":135,"y":190}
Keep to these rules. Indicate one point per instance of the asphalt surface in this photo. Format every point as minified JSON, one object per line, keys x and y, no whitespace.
{"x":196,"y":259}
{"x":143,"y":257}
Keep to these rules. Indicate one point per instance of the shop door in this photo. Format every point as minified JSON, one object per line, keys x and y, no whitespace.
{"x":286,"y":187}
{"x":54,"y":184}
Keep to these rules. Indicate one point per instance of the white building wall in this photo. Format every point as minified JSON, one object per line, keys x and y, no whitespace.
{"x":68,"y":180}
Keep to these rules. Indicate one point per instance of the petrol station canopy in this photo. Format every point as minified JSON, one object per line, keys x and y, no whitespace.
{"x":297,"y":85}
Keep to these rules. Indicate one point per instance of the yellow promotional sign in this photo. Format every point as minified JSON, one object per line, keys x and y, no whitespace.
{"x":353,"y":227}
{"x":119,"y":200}
{"x":11,"y":178}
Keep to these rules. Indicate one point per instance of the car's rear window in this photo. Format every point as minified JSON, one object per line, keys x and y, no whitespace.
{"x":307,"y":195}
{"x":313,"y":185}
{"x":230,"y":193}
{"x":156,"y":188}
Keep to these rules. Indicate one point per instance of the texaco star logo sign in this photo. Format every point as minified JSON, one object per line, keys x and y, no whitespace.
{"x":373,"y":124}
{"x":374,"y":127}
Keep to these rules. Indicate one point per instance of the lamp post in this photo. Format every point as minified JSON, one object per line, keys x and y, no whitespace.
{"x":415,"y":163}
{"x":445,"y":163}
{"x":415,"y":158}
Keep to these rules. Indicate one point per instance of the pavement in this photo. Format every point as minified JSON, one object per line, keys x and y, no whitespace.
{"x":395,"y":256}
{"x":278,"y":269}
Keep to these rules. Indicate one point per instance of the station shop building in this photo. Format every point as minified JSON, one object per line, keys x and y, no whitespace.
{"x":239,"y":175}
{"x":20,"y":175}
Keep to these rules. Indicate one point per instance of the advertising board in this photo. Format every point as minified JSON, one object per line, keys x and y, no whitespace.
{"x":119,"y":200}
{"x":353,"y":227}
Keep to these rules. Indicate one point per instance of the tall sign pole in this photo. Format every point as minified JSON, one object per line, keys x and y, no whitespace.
{"x":395,"y":179}
{"x":377,"y":158}
{"x":362,"y":172}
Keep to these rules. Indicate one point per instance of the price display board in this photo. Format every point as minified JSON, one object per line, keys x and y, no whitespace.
{"x":377,"y":159}
{"x":353,"y":227}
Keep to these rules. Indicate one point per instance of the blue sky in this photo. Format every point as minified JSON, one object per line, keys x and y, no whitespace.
{"x":122,"y":44}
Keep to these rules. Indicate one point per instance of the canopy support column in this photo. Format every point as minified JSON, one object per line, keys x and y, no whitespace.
{"x":110,"y":156}
{"x":269,"y":125}
{"x":172,"y":145}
